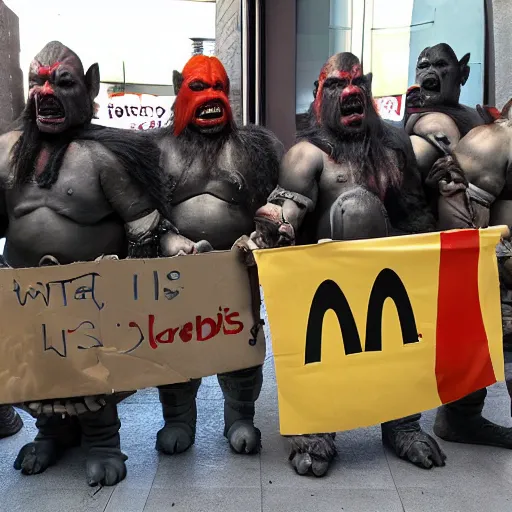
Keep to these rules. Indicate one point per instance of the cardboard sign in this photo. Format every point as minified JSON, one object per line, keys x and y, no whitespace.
{"x":92,"y":328}
{"x":374,"y":330}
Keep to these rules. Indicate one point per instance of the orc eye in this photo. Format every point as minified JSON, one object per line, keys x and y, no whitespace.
{"x":65,"y":80}
{"x":197,"y":86}
{"x":423,"y":65}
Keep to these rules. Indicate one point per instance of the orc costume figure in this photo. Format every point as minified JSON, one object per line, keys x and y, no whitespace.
{"x":476,"y":192}
{"x":72,"y":191}
{"x":224,"y":174}
{"x":435,"y":120}
{"x":349,"y":176}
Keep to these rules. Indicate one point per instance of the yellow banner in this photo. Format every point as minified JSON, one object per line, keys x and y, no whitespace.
{"x":373,"y":330}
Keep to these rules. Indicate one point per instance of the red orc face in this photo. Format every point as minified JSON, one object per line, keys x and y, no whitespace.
{"x":202,"y":100}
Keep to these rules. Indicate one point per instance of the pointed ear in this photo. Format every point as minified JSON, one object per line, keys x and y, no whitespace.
{"x":177,"y":81}
{"x":488,"y":114}
{"x":315,"y":90}
{"x":505,"y":111}
{"x":464,"y":68}
{"x":92,"y":80}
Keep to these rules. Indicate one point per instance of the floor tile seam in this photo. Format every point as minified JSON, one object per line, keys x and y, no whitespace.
{"x":393,"y":479}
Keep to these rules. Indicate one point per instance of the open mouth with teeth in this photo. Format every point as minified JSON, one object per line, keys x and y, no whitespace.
{"x":431,"y":83}
{"x":210,"y":114}
{"x":352,"y":110}
{"x":49,"y":110}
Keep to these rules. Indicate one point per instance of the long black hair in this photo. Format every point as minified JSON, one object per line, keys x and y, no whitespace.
{"x":138,"y":155}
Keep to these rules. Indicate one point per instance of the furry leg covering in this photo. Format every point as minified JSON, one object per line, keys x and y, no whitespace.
{"x":241,"y":389}
{"x":406,"y":438}
{"x":180,"y":415}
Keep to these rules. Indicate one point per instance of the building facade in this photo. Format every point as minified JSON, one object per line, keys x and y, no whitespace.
{"x":274,"y":49}
{"x":11,"y":77}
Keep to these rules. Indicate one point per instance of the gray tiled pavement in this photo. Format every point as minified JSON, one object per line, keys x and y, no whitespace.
{"x":209,"y":478}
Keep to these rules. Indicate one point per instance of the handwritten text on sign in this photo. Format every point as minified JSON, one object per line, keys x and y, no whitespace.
{"x":123,"y":325}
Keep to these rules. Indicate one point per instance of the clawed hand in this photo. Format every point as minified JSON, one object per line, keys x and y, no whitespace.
{"x":413,"y":97}
{"x":173,"y":244}
{"x":272,"y":229}
{"x":447,"y":176}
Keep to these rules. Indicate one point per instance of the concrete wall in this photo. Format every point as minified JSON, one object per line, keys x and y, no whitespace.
{"x":228,"y":46}
{"x":11,"y":77}
{"x":502,"y":23}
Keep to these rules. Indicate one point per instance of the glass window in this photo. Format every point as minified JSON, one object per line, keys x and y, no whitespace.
{"x":388,"y":37}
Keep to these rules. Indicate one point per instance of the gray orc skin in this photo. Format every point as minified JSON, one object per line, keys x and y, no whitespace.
{"x":224,"y":174}
{"x":476,"y":192}
{"x":349,"y":176}
{"x":435,"y":120}
{"x":72,"y":191}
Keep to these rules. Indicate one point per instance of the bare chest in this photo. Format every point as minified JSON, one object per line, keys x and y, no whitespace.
{"x":336,"y":178}
{"x":221,"y":175}
{"x":76,"y":194}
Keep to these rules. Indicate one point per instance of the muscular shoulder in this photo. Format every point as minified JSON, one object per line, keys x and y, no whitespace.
{"x":7,"y":141}
{"x":304,"y":154}
{"x":486,"y":143}
{"x":434,"y":123}
{"x":102,"y":158}
{"x":300,"y":167}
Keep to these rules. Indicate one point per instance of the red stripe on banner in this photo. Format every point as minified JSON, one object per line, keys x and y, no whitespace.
{"x":463,"y":361}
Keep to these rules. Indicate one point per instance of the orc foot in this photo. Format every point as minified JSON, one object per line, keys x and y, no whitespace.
{"x":474,"y":429}
{"x":312,"y":453}
{"x":411,"y":443}
{"x":105,"y":467}
{"x":174,"y":438}
{"x":244,"y":437}
{"x":36,"y":457}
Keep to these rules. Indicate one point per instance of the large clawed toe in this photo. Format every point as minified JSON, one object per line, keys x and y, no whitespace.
{"x":312,"y":454}
{"x":105,"y":468}
{"x":244,"y":438}
{"x":416,"y":446}
{"x":174,"y":438}
{"x":36,"y":457}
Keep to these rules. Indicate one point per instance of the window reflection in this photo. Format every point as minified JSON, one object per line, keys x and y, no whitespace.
{"x":387,"y":37}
